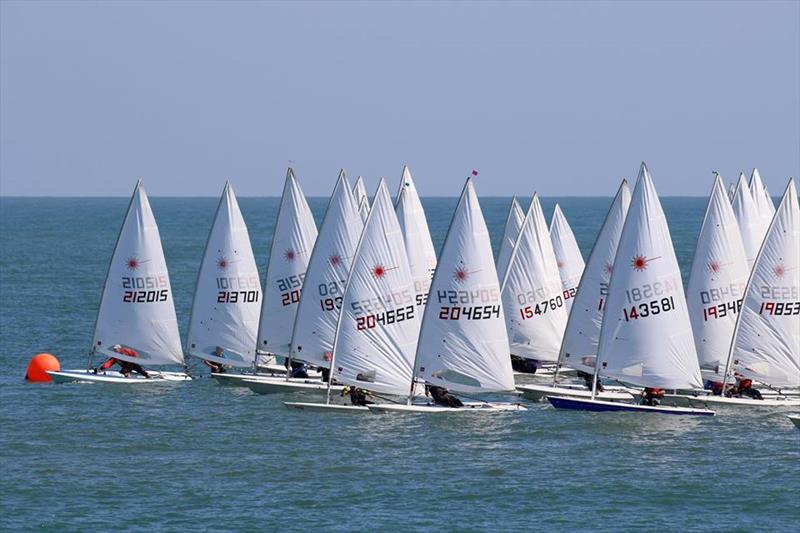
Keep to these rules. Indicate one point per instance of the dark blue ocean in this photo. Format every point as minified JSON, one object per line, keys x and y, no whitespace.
{"x":198,"y":456}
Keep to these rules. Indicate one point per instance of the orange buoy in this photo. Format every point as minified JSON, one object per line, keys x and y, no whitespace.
{"x":39,"y":365}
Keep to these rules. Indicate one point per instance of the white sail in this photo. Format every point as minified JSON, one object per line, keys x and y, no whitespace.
{"x":766,"y":344}
{"x":292,"y":244}
{"x":510,"y":234}
{"x":463,"y":344}
{"x":731,"y":192}
{"x":321,"y":300}
{"x":376,"y":337}
{"x":717,"y":281}
{"x":137,"y":309}
{"x":419,"y":245}
{"x":748,"y":220}
{"x":361,"y":199}
{"x":769,"y":203}
{"x":532,"y":296}
{"x":764,"y":206}
{"x":646,"y":337}
{"x":227,"y":298}
{"x":581,"y":337}
{"x":568,"y":256}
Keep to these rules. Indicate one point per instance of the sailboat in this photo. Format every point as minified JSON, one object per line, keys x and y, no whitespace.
{"x":378,"y":328}
{"x":227,"y":298}
{"x":532,"y":296}
{"x":463,"y":343}
{"x":762,"y":201}
{"x":568,"y":256}
{"x":321,"y":299}
{"x":510,"y":234}
{"x":581,"y":336}
{"x":419,"y":245}
{"x":292,"y":243}
{"x":748,"y":220}
{"x":136,"y":311}
{"x":646,"y":337}
{"x":717,"y":282}
{"x":766,"y":341}
{"x":361,"y":198}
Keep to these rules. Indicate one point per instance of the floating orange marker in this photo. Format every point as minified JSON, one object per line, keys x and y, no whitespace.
{"x":39,"y":365}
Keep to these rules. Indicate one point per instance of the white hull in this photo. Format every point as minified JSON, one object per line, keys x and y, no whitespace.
{"x":469,"y":407}
{"x":238,"y":380}
{"x":320,"y":407}
{"x":714,"y":401}
{"x":105,"y":376}
{"x":539,"y":393}
{"x":280,"y":370}
{"x":276,"y":385}
{"x":795,"y":418}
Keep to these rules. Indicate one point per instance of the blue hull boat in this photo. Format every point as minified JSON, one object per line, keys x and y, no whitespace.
{"x":562,"y":402}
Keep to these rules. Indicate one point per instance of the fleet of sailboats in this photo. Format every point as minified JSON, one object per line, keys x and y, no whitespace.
{"x":367,"y":301}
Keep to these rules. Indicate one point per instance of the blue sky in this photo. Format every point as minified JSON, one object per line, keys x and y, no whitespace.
{"x":562,"y":98}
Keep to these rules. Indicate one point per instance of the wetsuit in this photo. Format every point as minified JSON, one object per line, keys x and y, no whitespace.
{"x":588,"y":379}
{"x":652,"y":395}
{"x":126,"y":367}
{"x":358,"y":397}
{"x":442,"y":397}
{"x":526,"y":366}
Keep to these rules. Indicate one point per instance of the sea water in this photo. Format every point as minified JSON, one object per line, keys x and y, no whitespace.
{"x":199,"y":456}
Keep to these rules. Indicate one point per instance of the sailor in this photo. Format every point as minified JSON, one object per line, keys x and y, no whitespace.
{"x":521,"y":364}
{"x":126,"y":367}
{"x":358,"y":396}
{"x":216,"y":368}
{"x":744,"y":387}
{"x":652,"y":396}
{"x":442,"y":396}
{"x":299,"y":370}
{"x":588,"y":379}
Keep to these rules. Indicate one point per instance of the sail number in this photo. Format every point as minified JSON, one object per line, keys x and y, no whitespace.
{"x":329,"y":304}
{"x":291,"y":282}
{"x":648,"y":290}
{"x":734,"y":290}
{"x":541,"y":308}
{"x":490,"y":295}
{"x":478,"y":312}
{"x":779,"y":292}
{"x":151,"y":284}
{"x":646,"y":309}
{"x":780,"y":308}
{"x":722,"y":310}
{"x":233,"y":297}
{"x":383,"y":302}
{"x":388,"y":317}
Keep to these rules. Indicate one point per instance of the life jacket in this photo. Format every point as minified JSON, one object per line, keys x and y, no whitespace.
{"x":130,"y":352}
{"x":108,"y":364}
{"x":745,"y":383}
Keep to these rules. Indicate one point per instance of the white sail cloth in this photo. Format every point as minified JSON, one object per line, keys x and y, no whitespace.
{"x":766,"y":344}
{"x":227,"y":298}
{"x":137,"y":310}
{"x":292,"y":243}
{"x":419,"y":245}
{"x":510,"y":234}
{"x":582,"y":334}
{"x":532,"y":296}
{"x":463,"y":344}
{"x":321,"y":300}
{"x":568,"y":256}
{"x":646,"y":337}
{"x":717,"y":281}
{"x":748,"y":220}
{"x":376,"y":337}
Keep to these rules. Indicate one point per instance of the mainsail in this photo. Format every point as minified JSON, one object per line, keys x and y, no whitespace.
{"x":463,"y":344}
{"x":717,"y":281}
{"x":321,"y":300}
{"x":532,"y":296}
{"x":292,"y":244}
{"x":747,"y":217}
{"x":762,"y":201}
{"x":579,"y":349}
{"x":646,"y":337}
{"x":766,"y":344}
{"x":376,"y":337}
{"x":419,"y":246}
{"x":227,"y":298}
{"x":136,"y":309}
{"x":360,"y":197}
{"x":510,"y":234}
{"x":568,"y":256}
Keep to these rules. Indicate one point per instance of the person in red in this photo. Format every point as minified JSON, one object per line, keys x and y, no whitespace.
{"x":126,"y":367}
{"x":652,"y":396}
